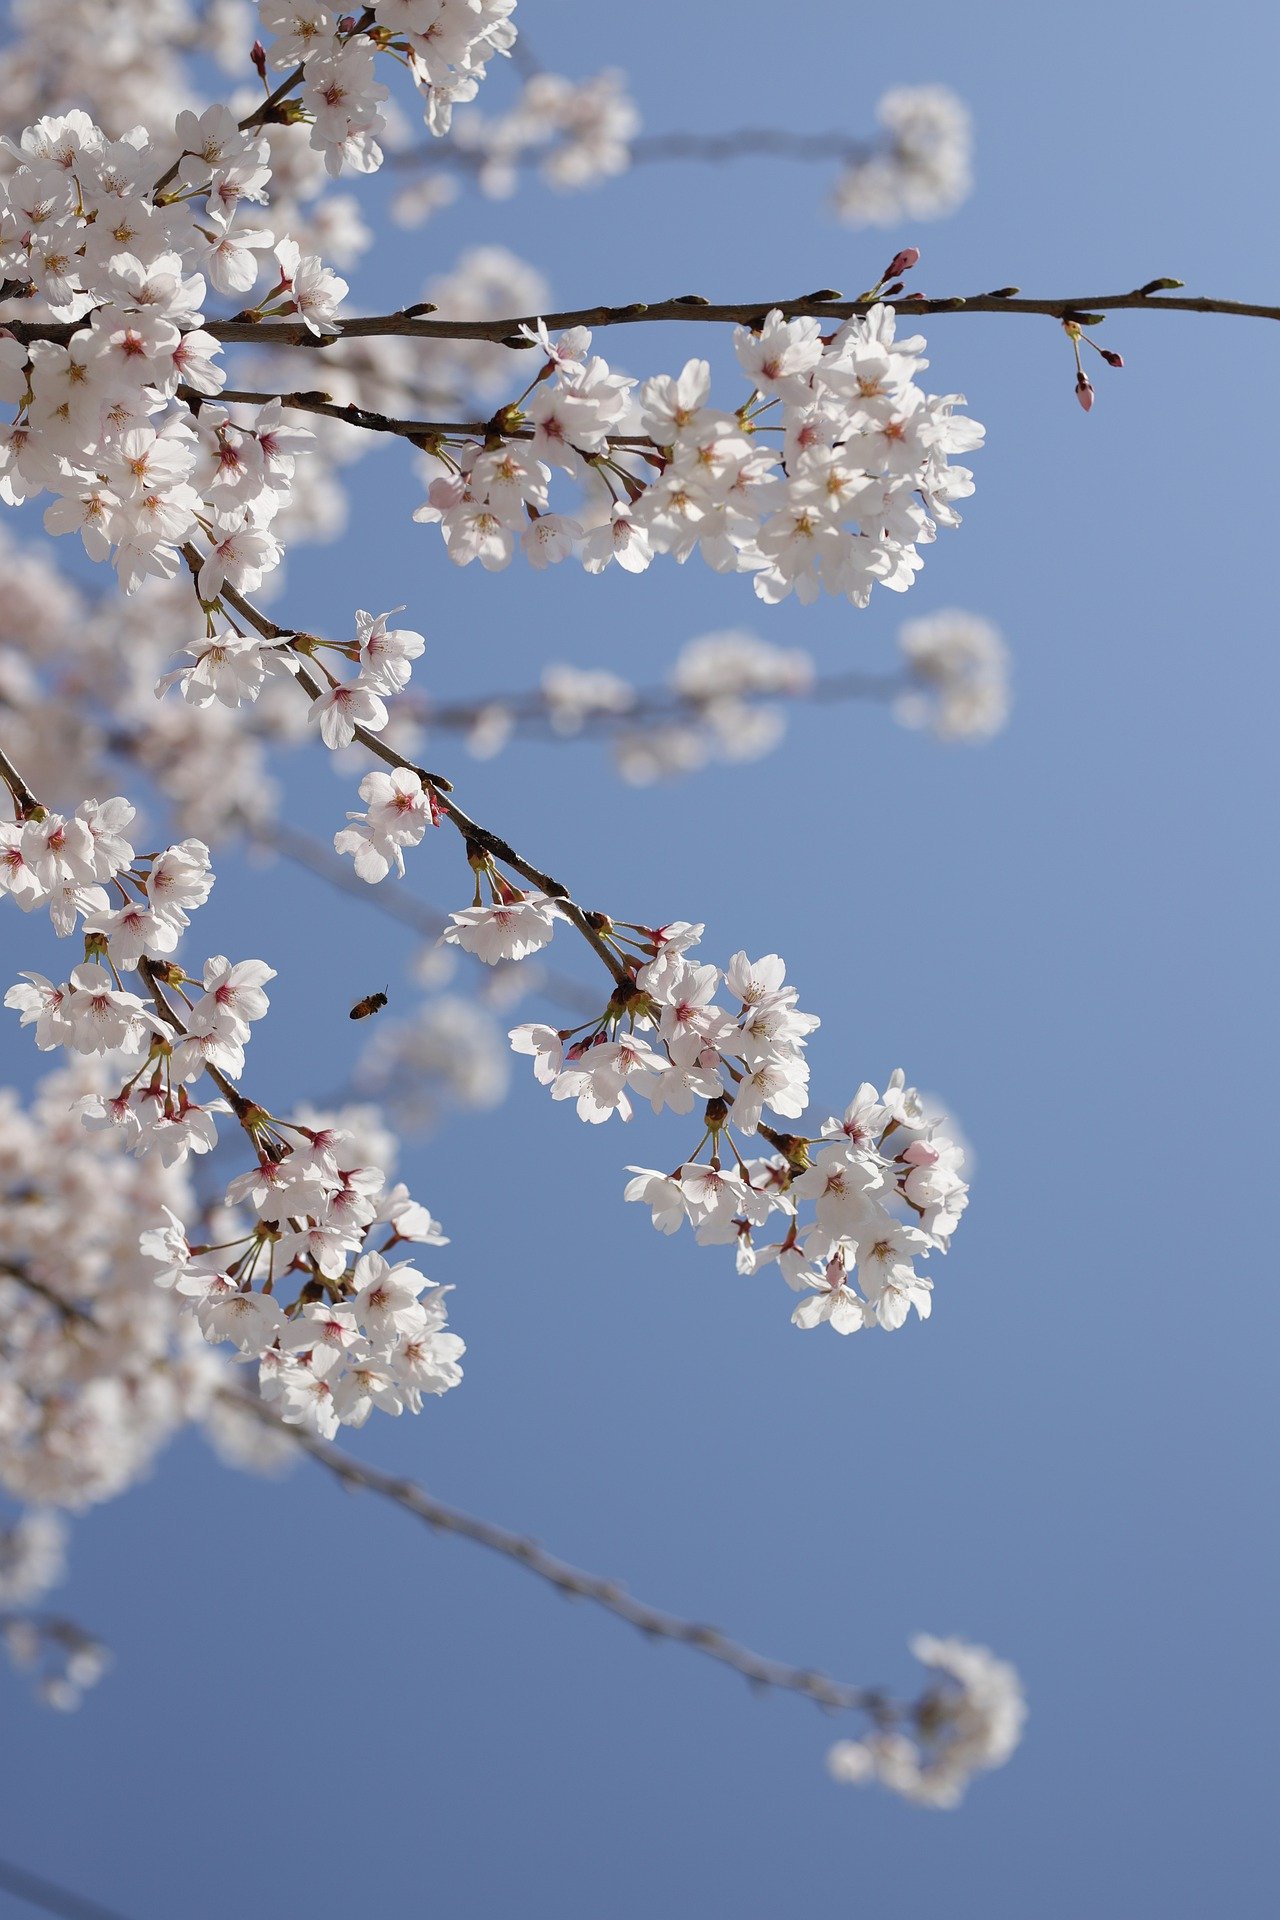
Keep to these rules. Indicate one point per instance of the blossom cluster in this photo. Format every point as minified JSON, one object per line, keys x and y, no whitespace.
{"x":861,"y":479}
{"x":316,"y":1209}
{"x":743,"y":1061}
{"x":959,"y":676}
{"x":231,"y":667}
{"x":445,"y":45}
{"x":119,"y":422}
{"x":97,"y":1368}
{"x":885,"y":1188}
{"x":924,"y":170}
{"x":883,"y":1181}
{"x":362,"y":1332}
{"x":969,"y":1721}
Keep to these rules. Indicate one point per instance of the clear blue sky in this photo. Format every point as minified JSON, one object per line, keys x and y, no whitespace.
{"x":317,"y":1707}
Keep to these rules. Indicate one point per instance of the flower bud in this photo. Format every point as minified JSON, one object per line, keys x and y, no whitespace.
{"x":901,"y":262}
{"x":1112,"y":359}
{"x":1084,"y":391}
{"x":258,"y":55}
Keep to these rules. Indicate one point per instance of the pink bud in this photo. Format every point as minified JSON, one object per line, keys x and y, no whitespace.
{"x":921,"y":1154}
{"x":258,"y":55}
{"x":1112,"y":359}
{"x":901,"y":263}
{"x":1084,"y":391}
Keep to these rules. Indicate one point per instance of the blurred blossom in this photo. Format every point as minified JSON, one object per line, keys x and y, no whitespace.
{"x":449,"y":1053}
{"x":927,"y":170}
{"x":959,"y":666}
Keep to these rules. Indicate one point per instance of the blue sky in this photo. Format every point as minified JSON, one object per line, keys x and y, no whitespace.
{"x":1068,"y":935}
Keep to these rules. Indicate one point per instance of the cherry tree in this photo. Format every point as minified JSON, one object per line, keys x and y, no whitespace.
{"x":187,"y":388}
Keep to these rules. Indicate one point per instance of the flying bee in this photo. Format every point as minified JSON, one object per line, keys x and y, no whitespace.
{"x":371,"y":1003}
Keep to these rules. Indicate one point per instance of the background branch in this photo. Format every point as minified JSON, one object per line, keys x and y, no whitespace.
{"x":757,"y":1669}
{"x":50,"y":1897}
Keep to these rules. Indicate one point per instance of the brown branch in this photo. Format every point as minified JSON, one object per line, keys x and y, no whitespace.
{"x":410,"y":325}
{"x":694,"y":307}
{"x":27,"y":805}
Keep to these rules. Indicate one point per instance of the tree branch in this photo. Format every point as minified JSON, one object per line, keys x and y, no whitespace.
{"x":409,"y":323}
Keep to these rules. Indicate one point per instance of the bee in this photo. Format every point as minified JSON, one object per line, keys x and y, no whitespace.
{"x":371,"y":1003}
